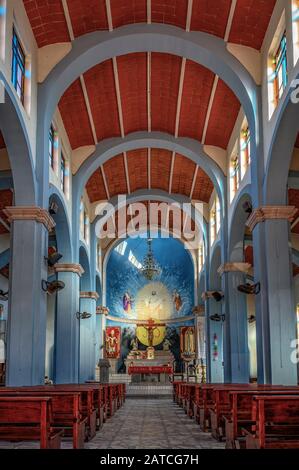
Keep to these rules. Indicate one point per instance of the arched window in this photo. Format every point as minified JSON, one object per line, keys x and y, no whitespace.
{"x":2,"y":28}
{"x":244,"y":149}
{"x":82,"y":219}
{"x":215,"y":220}
{"x":295,"y":18}
{"x":201,"y":256}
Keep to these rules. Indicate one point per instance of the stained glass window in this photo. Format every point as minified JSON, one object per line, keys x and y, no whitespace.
{"x":18,"y":67}
{"x":280,"y":69}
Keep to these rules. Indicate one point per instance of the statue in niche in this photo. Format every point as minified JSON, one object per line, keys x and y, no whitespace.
{"x":189,"y":341}
{"x":177,"y":300}
{"x":166,"y":345}
{"x":134,"y":344}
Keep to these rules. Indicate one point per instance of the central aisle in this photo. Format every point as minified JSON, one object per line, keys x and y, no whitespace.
{"x":144,"y":423}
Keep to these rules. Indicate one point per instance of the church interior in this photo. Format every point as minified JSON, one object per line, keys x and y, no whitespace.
{"x":149,"y":224}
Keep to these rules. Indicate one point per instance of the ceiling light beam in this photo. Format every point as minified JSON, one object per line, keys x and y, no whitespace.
{"x":127,"y":172}
{"x":105,"y":182}
{"x":193,"y":182}
{"x":171,"y":172}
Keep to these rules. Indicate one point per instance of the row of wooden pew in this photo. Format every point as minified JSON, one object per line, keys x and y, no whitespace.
{"x":245,"y":416}
{"x":48,"y":413}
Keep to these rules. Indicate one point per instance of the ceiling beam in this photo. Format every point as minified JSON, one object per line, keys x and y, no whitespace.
{"x":189,"y":15}
{"x":149,"y":11}
{"x":149,"y":92}
{"x":179,"y":101}
{"x":171,"y":172}
{"x":193,"y":182}
{"x":83,"y":86}
{"x":216,"y":79}
{"x":149,"y":167}
{"x":109,"y":15}
{"x":105,"y":182}
{"x":127,"y":172}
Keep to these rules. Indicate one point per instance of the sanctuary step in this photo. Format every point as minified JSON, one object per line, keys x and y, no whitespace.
{"x":144,"y":390}
{"x":120,"y":378}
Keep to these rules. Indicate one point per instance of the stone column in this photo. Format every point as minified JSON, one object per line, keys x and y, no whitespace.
{"x":102,"y":313}
{"x":26,"y":339}
{"x":275,"y":310}
{"x":237,"y":322}
{"x":67,"y":327}
{"x":88,"y":302}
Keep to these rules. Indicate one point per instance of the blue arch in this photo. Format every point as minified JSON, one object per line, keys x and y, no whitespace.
{"x":63,"y":227}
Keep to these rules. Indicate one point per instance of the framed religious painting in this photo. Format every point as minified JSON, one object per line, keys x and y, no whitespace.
{"x":112,"y":342}
{"x":187,"y":342}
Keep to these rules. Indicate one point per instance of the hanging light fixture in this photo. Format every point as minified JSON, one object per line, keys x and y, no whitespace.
{"x":150,"y":269}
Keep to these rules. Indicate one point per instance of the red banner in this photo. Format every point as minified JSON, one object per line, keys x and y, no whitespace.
{"x":112,"y":342}
{"x":150,"y":370}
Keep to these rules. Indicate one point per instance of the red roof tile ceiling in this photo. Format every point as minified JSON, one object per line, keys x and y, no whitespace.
{"x":250,"y":22}
{"x":116,"y":176}
{"x":101,"y":91}
{"x":138,"y":169}
{"x":75,"y":116}
{"x":132,"y":73}
{"x":95,"y":187}
{"x":210,"y":17}
{"x":198,"y":82}
{"x":249,"y":25}
{"x":160,"y":168}
{"x":223,"y":116}
{"x":160,"y":163}
{"x":87,"y":18}
{"x":48,"y":21}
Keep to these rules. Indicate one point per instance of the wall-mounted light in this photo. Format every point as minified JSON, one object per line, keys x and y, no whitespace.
{"x":53,"y":258}
{"x":52,"y":287}
{"x":53,"y":208}
{"x":216,"y":295}
{"x":3,"y":295}
{"x":250,"y":289}
{"x":251,"y":319}
{"x":247,"y":206}
{"x":217,"y":317}
{"x":83,"y":315}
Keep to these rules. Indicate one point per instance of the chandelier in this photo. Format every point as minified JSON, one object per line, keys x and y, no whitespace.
{"x":150,"y":269}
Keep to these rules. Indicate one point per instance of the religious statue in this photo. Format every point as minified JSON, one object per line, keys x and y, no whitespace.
{"x":166,"y":345}
{"x":151,"y":327}
{"x":127,"y":302}
{"x":177,"y":301}
{"x":189,"y":341}
{"x":134,"y":344}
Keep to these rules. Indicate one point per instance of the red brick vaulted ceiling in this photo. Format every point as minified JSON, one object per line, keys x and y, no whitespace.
{"x":87,"y":17}
{"x":75,"y":116}
{"x":48,"y":21}
{"x":251,"y":17}
{"x":198,"y":82}
{"x":182,"y":175}
{"x":160,"y":168}
{"x":100,"y":87}
{"x":116,"y":176}
{"x":203,"y":187}
{"x":138,"y":169}
{"x":132,"y":73}
{"x":223,"y":116}
{"x":95,"y":187}
{"x":166,"y":71}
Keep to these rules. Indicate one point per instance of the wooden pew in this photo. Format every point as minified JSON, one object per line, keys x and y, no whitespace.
{"x":276,"y":421}
{"x":28,"y":418}
{"x":240,"y":417}
{"x":66,"y":410}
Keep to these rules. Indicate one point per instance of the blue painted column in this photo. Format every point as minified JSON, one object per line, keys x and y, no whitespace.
{"x":216,"y":328}
{"x":237,"y":327}
{"x":87,"y":336}
{"x":67,"y":328}
{"x":276,"y":328}
{"x":26,"y":338}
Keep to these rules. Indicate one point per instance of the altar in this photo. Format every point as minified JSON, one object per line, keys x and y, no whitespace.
{"x":155,"y":370}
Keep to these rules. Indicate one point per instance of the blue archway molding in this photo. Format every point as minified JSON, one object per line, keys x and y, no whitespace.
{"x":237,"y":228}
{"x":156,"y":195}
{"x":85,"y":281}
{"x":94,"y":48}
{"x":63,"y":226}
{"x":16,"y":138}
{"x":280,"y":153}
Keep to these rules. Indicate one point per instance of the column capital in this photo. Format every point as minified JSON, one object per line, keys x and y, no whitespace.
{"x":234,"y":268}
{"x":37,"y":214}
{"x":102,"y":311}
{"x":69,"y":268}
{"x":270,"y":213}
{"x":89,"y":295}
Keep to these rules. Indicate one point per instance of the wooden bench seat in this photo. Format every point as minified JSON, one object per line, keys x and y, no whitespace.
{"x":276,"y":423}
{"x":29,"y":418}
{"x":66,"y":410}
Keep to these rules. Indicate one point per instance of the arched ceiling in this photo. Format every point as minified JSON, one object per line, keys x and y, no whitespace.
{"x":149,"y":91}
{"x":149,"y":169}
{"x":49,"y":18}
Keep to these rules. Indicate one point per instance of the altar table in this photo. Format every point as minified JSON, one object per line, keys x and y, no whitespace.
{"x":150,"y":370}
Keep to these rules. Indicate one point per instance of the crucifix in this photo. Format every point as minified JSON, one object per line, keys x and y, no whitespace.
{"x":151,"y":327}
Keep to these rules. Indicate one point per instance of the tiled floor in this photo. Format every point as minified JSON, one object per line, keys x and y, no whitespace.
{"x":152,"y":423}
{"x":144,"y":423}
